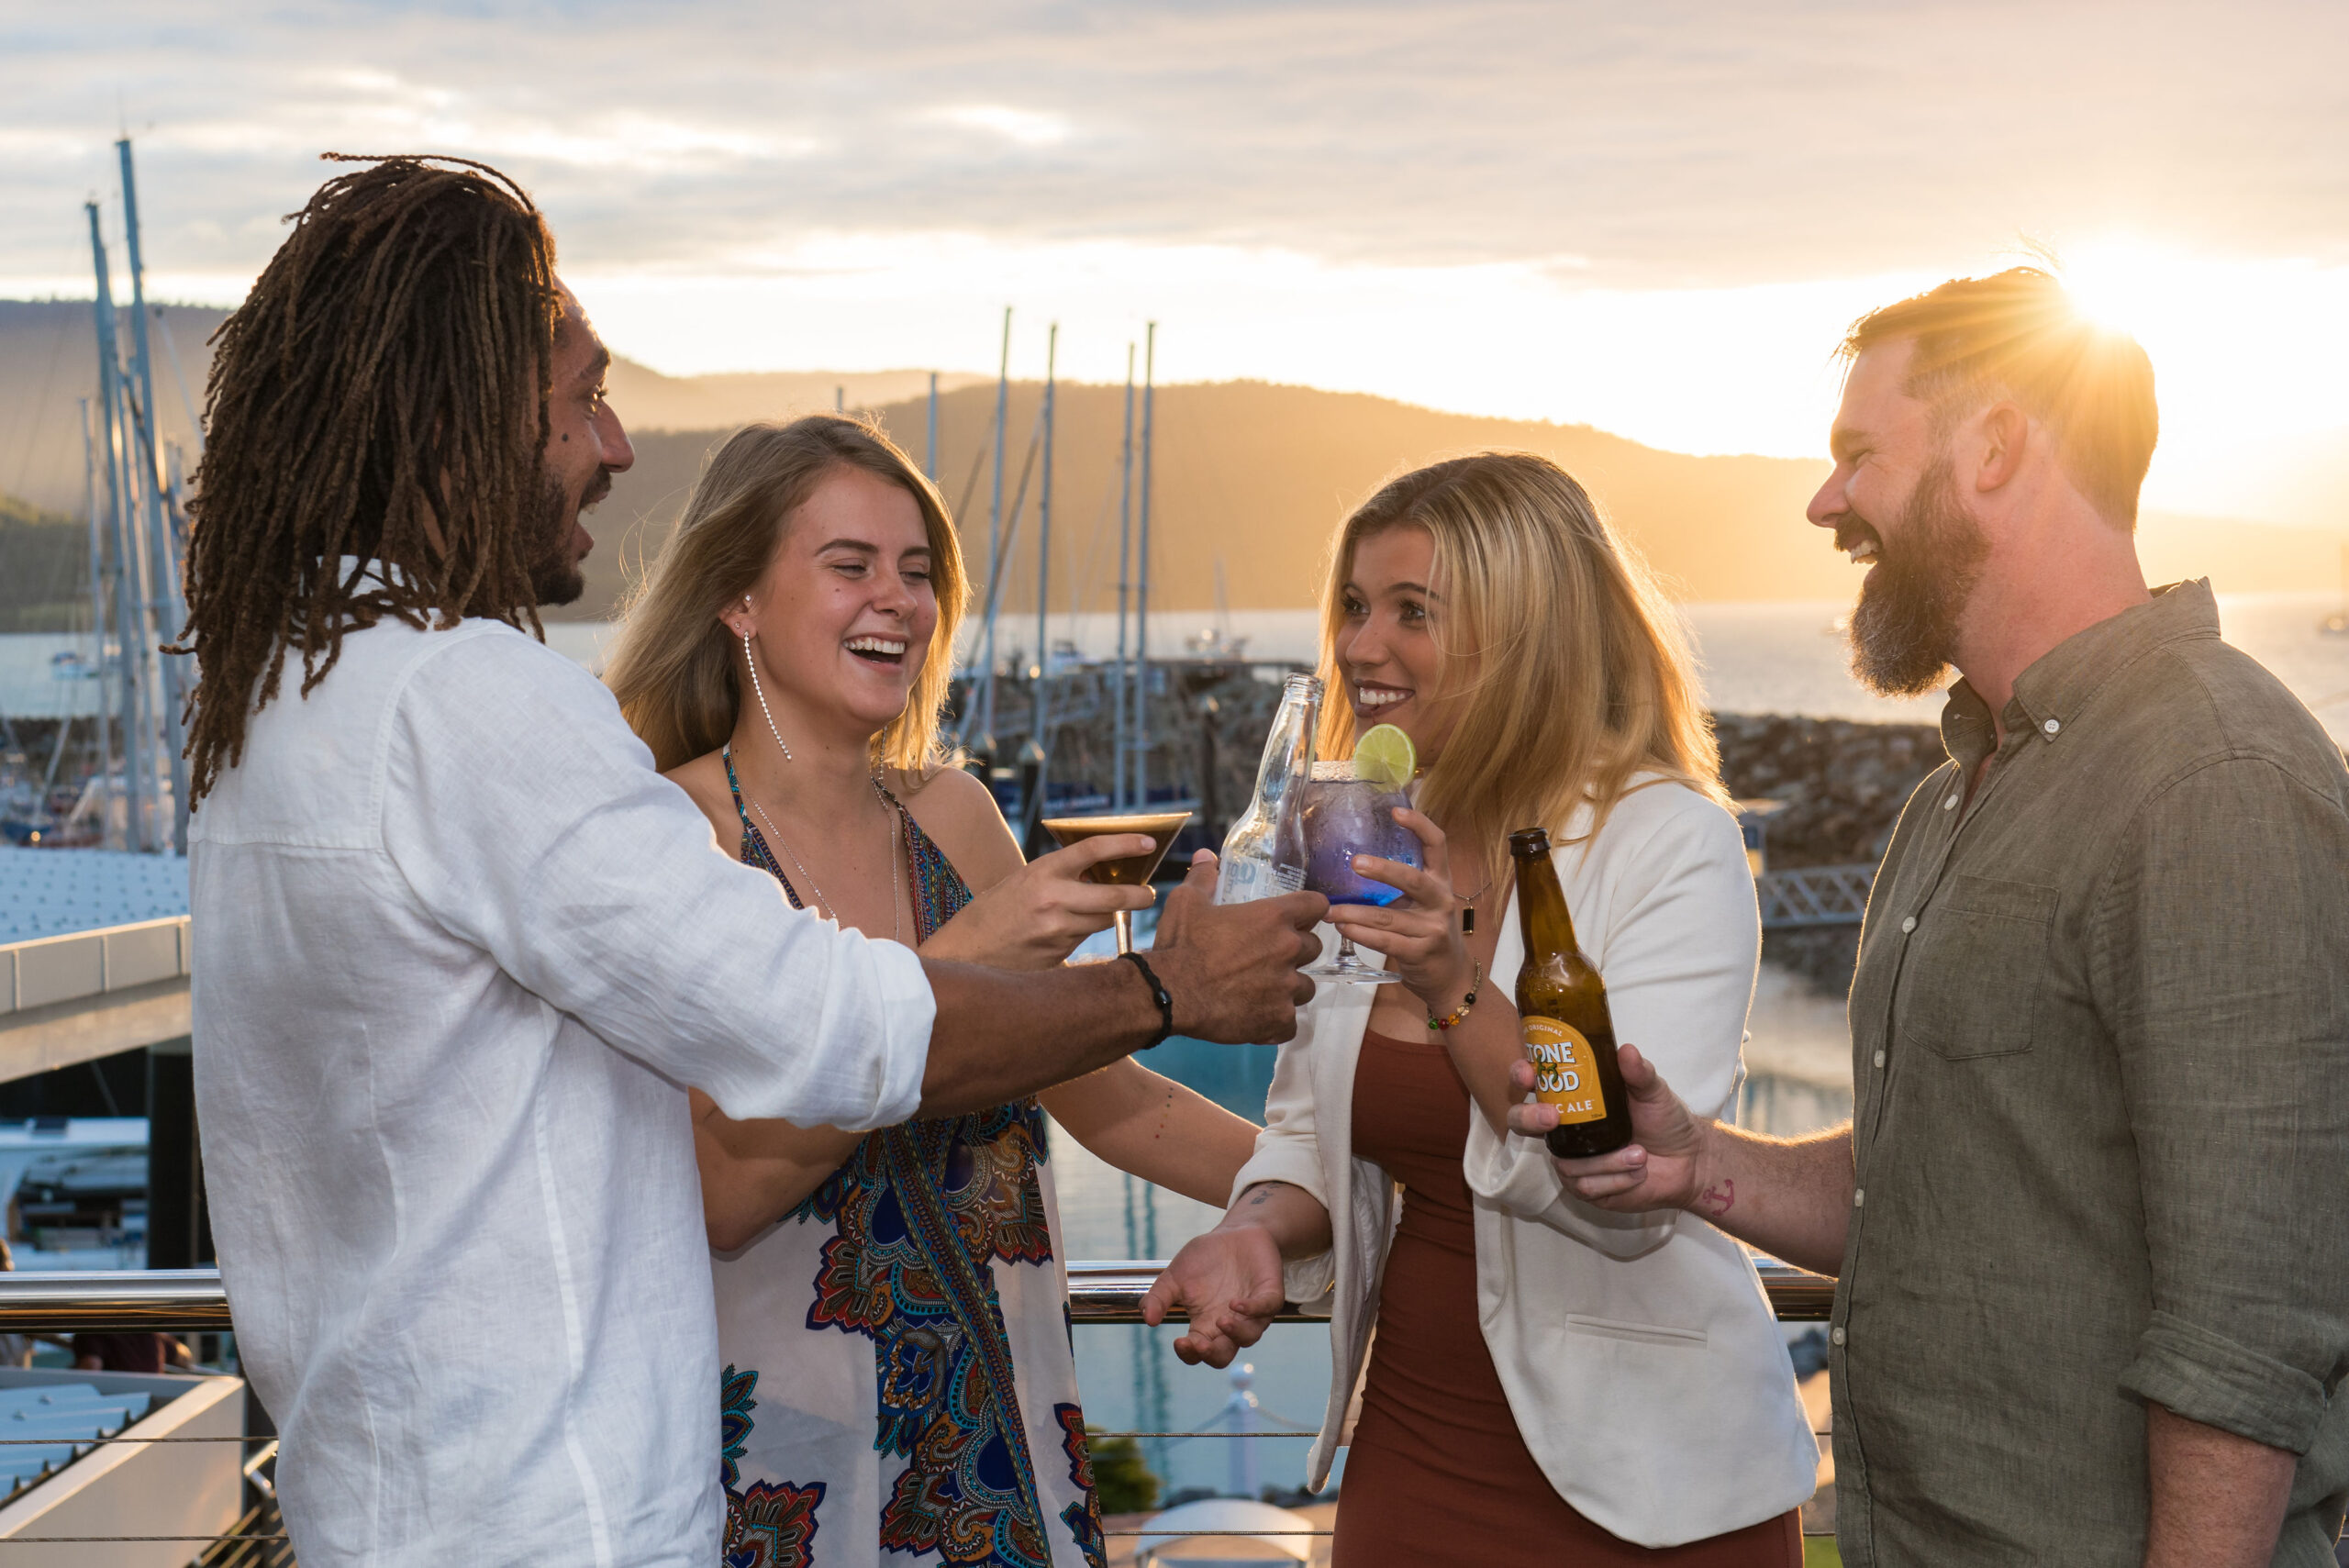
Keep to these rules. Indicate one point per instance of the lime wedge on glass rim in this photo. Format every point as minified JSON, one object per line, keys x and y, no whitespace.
{"x":1385,"y":757}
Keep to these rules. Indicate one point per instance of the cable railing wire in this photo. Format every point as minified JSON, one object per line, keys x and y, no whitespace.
{"x":193,"y":1301}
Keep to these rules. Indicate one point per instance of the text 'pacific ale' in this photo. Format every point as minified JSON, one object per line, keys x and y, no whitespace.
{"x":1561,"y":1008}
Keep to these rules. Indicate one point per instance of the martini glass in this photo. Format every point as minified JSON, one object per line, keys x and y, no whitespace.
{"x":1345,"y":817}
{"x":1132,"y":871}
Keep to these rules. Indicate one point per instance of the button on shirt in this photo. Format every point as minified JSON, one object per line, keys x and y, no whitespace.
{"x":457,"y":949}
{"x":2106,"y":1153}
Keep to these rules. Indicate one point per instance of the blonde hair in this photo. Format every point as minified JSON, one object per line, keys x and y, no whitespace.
{"x":672,"y":665}
{"x":1580,"y":678}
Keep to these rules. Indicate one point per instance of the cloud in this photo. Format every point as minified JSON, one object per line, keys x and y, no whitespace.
{"x":1533,"y":207}
{"x":1709,"y":144}
{"x":1026,"y":127}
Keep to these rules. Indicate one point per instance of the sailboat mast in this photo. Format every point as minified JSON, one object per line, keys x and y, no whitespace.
{"x":163,"y":586}
{"x":995,"y":535}
{"x":1044,"y":573}
{"x":1118,"y":798}
{"x":139,"y":781}
{"x":97,"y":622}
{"x":1141,"y":590}
{"x":929,"y":450}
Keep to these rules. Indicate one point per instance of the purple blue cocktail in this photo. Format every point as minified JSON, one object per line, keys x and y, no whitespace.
{"x":1344,"y":817}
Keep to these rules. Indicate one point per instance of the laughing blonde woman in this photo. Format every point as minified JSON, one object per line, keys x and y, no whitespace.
{"x":1548,"y":1382}
{"x":892,"y":1309}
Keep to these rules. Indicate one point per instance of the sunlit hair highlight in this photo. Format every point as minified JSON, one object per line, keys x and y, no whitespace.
{"x":381,"y":393}
{"x":2018,"y":334}
{"x":1577,"y":677}
{"x":673,"y":666}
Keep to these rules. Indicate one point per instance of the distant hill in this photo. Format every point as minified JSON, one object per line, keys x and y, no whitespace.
{"x":651,"y":400}
{"x":48,"y":358}
{"x":1249,"y":475}
{"x":1254,"y":476}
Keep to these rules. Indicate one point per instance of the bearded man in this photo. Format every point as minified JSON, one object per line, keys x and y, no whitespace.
{"x":461,"y":950}
{"x":2093,"y":1297}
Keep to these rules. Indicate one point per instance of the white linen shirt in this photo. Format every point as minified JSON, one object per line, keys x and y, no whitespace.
{"x":458,"y":946}
{"x":1638,"y":1353}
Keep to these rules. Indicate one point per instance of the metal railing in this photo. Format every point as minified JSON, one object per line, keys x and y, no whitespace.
{"x":1814,"y":895}
{"x":191,"y":1301}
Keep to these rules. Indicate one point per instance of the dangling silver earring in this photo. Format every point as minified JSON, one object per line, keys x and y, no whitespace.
{"x":751,"y":663}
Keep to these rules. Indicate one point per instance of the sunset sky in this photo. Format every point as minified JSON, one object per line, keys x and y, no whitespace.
{"x":1652,"y":218}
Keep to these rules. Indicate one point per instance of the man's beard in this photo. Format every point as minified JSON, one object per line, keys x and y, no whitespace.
{"x":1904,"y":629}
{"x":555,"y":577}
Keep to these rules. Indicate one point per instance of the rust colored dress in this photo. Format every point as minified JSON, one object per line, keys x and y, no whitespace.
{"x":1438,"y":1473}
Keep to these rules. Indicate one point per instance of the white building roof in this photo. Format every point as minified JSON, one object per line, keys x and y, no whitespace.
{"x":52,"y":893}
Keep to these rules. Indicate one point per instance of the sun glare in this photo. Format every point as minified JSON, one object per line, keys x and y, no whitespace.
{"x":2125,"y":284}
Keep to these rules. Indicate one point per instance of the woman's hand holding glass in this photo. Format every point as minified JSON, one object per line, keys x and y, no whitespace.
{"x":1034,"y":917}
{"x":1419,"y":932}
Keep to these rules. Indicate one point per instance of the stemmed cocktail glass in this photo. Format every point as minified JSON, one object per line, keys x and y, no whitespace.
{"x":1347,"y":816}
{"x":1132,"y":870}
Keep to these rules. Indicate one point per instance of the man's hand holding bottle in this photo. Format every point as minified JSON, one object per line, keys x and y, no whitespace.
{"x":1660,"y":1168}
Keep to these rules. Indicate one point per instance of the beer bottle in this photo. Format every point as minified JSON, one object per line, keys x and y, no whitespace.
{"x":1561,"y":1010}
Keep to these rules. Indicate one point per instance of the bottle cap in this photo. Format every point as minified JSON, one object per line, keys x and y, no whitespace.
{"x":1530,"y":841}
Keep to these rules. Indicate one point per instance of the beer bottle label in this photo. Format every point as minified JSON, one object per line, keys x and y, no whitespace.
{"x":1565,"y":1070}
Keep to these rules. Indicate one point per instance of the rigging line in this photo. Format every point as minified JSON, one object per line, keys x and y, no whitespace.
{"x":979,"y":463}
{"x":1011,"y":528}
{"x":1082,"y":582}
{"x":172,"y":352}
{"x":58,"y":574}
{"x":41,"y":409}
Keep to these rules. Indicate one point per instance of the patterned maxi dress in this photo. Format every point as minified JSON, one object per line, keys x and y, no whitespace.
{"x":900,"y":1385}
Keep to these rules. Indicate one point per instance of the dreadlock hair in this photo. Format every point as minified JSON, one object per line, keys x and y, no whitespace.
{"x":381,"y":395}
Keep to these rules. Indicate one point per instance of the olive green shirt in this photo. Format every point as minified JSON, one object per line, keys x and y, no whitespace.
{"x":2101,"y":1133}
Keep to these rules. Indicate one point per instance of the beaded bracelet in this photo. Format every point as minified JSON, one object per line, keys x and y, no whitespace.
{"x":1475,"y":980}
{"x":1158,"y":994}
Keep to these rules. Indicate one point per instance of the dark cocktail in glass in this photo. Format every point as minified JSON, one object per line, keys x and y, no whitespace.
{"x":1130,"y":871}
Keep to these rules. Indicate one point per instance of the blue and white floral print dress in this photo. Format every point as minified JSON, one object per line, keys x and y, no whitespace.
{"x":899,"y":1386}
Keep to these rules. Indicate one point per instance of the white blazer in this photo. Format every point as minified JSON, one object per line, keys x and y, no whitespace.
{"x":1639,"y":1354}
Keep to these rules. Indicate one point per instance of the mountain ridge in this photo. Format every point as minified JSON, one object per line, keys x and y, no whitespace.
{"x":1250,"y":474}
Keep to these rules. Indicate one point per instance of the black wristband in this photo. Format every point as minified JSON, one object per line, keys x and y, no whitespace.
{"x":1157,"y":994}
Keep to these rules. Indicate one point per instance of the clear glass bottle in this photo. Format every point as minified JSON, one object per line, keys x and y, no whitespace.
{"x":1264,"y":855}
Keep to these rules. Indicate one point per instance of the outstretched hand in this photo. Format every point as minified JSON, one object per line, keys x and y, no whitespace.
{"x":1658,"y":1169}
{"x":1228,"y":1283}
{"x":1033,"y":919}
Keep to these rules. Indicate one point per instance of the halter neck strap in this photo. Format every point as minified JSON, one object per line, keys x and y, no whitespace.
{"x":727,"y":752}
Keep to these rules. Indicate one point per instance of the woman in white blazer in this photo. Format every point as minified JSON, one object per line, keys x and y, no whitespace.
{"x":1522,"y":1378}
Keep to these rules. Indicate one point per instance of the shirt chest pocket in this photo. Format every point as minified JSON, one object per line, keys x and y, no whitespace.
{"x":1972,"y":982}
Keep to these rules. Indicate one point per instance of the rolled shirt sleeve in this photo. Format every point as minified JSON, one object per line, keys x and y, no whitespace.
{"x":2222,"y":964}
{"x":529,"y":821}
{"x":1678,"y":955}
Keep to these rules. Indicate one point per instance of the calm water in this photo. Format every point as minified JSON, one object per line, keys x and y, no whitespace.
{"x":1789,"y":657}
{"x":1756,"y":658}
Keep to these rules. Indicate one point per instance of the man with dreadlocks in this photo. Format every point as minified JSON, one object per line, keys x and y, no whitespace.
{"x":462,"y":949}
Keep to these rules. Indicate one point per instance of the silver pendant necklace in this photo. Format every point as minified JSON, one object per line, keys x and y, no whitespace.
{"x":825,"y":907}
